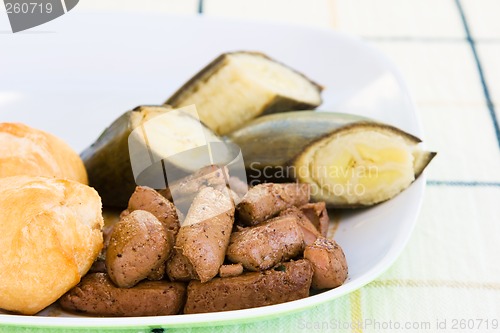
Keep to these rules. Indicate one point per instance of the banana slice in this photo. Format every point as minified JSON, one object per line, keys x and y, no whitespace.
{"x":108,"y":159}
{"x":237,"y":87}
{"x":349,"y":160}
{"x":360,"y":165}
{"x":274,"y":140}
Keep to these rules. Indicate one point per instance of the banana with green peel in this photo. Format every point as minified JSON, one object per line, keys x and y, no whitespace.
{"x":348,"y":160}
{"x":274,"y":140}
{"x":239,"y":86}
{"x":361,"y":164}
{"x":108,"y":159}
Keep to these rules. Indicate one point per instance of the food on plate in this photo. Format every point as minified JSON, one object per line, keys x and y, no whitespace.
{"x":239,"y":86}
{"x":179,"y":268}
{"x":288,"y":134}
{"x":287,"y":282}
{"x":189,"y":186}
{"x":266,"y":200}
{"x":238,"y":186}
{"x":183,"y":190}
{"x":309,"y":231}
{"x":204,"y":234}
{"x":97,"y":295}
{"x":157,"y":274}
{"x":361,"y":164}
{"x":262,"y":246}
{"x":318,"y":215}
{"x":111,"y":217}
{"x":28,"y":151}
{"x":225,"y":266}
{"x":348,"y":161}
{"x":145,"y":198}
{"x":50,"y":234}
{"x":139,"y":245}
{"x":230,"y":270}
{"x":108,"y":159}
{"x":329,"y":263}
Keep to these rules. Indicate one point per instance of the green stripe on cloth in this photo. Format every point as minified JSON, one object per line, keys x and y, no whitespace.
{"x":356,"y":311}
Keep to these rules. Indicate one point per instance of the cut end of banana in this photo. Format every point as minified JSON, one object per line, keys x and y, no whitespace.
{"x":237,"y":87}
{"x":144,"y":113}
{"x":361,"y":164}
{"x":275,"y":77}
{"x":172,"y":132}
{"x":133,"y":148}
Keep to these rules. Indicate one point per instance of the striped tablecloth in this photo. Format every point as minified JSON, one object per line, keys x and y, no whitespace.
{"x":448,"y":277}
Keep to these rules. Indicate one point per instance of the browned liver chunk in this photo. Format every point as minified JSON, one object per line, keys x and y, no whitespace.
{"x":230,"y":270}
{"x":205,"y":232}
{"x":97,"y":295}
{"x":267,"y":200}
{"x":263,"y":246}
{"x":308,"y":229}
{"x":318,"y":215}
{"x":289,"y":281}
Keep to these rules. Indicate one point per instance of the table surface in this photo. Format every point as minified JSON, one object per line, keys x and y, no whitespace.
{"x":448,"y":277}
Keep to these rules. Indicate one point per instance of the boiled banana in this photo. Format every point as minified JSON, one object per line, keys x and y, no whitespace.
{"x":360,"y":165}
{"x":348,"y":160}
{"x":239,"y":86}
{"x":108,"y":159}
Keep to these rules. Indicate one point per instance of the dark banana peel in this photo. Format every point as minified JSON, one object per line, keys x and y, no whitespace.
{"x":271,"y":142}
{"x":174,"y":145}
{"x":107,"y":160}
{"x":321,"y":149}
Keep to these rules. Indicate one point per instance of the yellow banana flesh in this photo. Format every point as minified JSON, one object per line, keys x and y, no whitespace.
{"x":362,"y":168}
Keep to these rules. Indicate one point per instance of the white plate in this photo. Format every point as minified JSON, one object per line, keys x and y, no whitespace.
{"x":77,"y":78}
